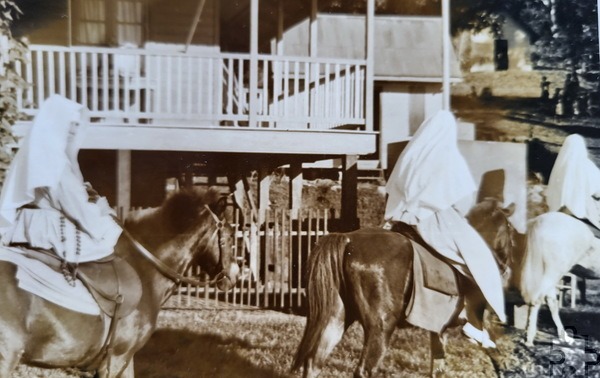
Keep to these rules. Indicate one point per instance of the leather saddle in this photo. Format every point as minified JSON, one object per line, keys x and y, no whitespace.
{"x":437,"y":272}
{"x":112,"y":281}
{"x":435,"y":294}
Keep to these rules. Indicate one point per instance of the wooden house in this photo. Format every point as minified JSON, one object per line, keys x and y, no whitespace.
{"x":233,"y":86}
{"x":225,"y":87}
{"x":174,"y":86}
{"x":511,"y":49}
{"x":407,"y":88}
{"x":407,"y":69}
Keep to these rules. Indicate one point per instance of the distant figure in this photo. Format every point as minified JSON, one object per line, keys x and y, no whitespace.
{"x":555,"y":103}
{"x":545,"y":86}
{"x":582,"y":104}
{"x":570,"y":93}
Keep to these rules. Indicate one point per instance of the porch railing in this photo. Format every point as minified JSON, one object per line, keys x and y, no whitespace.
{"x":164,"y":87}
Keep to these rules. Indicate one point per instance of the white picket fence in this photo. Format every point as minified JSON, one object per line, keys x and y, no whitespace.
{"x":272,"y":260}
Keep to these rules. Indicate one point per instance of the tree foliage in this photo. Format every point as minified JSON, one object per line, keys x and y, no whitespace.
{"x":11,"y":51}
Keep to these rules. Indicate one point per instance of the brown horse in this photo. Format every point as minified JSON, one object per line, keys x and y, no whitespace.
{"x":39,"y":333}
{"x":367,"y":276}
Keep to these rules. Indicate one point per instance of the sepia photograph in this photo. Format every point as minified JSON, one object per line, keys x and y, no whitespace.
{"x":299,"y":188}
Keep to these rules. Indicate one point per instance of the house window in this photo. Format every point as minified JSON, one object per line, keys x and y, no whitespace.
{"x":108,"y":22}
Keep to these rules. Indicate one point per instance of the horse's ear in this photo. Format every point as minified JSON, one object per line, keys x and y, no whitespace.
{"x":217,"y":201}
{"x":220,"y":206}
{"x":510,"y":209}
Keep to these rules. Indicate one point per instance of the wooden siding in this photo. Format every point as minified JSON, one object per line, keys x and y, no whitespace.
{"x":170,"y":21}
{"x":408,"y":48}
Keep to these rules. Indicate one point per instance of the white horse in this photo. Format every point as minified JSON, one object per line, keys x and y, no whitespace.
{"x":556,"y":244}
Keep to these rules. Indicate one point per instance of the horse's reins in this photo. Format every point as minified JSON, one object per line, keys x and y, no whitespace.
{"x":167,"y":271}
{"x":106,"y":350}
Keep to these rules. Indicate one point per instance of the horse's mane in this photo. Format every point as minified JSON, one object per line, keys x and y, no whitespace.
{"x":179,"y":211}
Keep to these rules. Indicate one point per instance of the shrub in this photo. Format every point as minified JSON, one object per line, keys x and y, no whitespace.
{"x":11,"y":51}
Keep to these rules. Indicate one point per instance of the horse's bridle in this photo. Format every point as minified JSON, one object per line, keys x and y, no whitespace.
{"x":170,"y":273}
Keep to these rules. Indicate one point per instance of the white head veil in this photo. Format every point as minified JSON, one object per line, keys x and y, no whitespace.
{"x":430,"y":174}
{"x":44,"y":153}
{"x":574,"y":178}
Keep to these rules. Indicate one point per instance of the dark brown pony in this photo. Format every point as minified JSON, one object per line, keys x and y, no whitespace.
{"x":39,"y":333}
{"x":366,"y":276}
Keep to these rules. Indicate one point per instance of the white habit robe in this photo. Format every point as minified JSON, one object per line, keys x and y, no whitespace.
{"x":428,"y":184}
{"x":574,"y":181}
{"x":44,"y":200}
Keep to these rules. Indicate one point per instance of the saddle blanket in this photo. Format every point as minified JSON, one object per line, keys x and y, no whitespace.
{"x":39,"y":279}
{"x":435,"y":295}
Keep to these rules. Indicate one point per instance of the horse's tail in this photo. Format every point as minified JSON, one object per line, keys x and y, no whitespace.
{"x":325,"y":277}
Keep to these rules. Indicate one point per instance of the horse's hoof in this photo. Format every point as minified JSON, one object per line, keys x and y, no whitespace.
{"x":438,"y":368}
{"x":478,"y":337}
{"x":569,"y":340}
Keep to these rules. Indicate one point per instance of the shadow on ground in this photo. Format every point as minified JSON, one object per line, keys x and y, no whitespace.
{"x":181,"y":354}
{"x":583,"y":322}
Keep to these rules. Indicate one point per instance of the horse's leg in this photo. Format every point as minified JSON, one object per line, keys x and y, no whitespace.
{"x":129,"y":371}
{"x":475,"y":305}
{"x":437,"y":343}
{"x":9,"y":358}
{"x":331,"y":336}
{"x":377,"y":337}
{"x":560,"y":329}
{"x":532,"y":323}
{"x":116,"y":366}
{"x":12,"y":342}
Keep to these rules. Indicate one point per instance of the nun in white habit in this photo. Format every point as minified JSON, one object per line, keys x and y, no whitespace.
{"x":45,"y":202}
{"x":429,"y":188}
{"x":574,"y":184}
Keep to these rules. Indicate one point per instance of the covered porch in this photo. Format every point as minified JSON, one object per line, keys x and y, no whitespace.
{"x":263,"y":109}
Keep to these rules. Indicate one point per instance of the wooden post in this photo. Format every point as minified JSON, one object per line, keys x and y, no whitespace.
{"x":70,"y":27}
{"x":123,"y":182}
{"x":188,"y":177}
{"x":349,"y":216}
{"x":253,"y":63}
{"x":445,"y":54}
{"x":280,"y":44}
{"x":370,"y":58}
{"x":313,"y":35}
{"x":295,"y":189}
{"x":313,"y":32}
